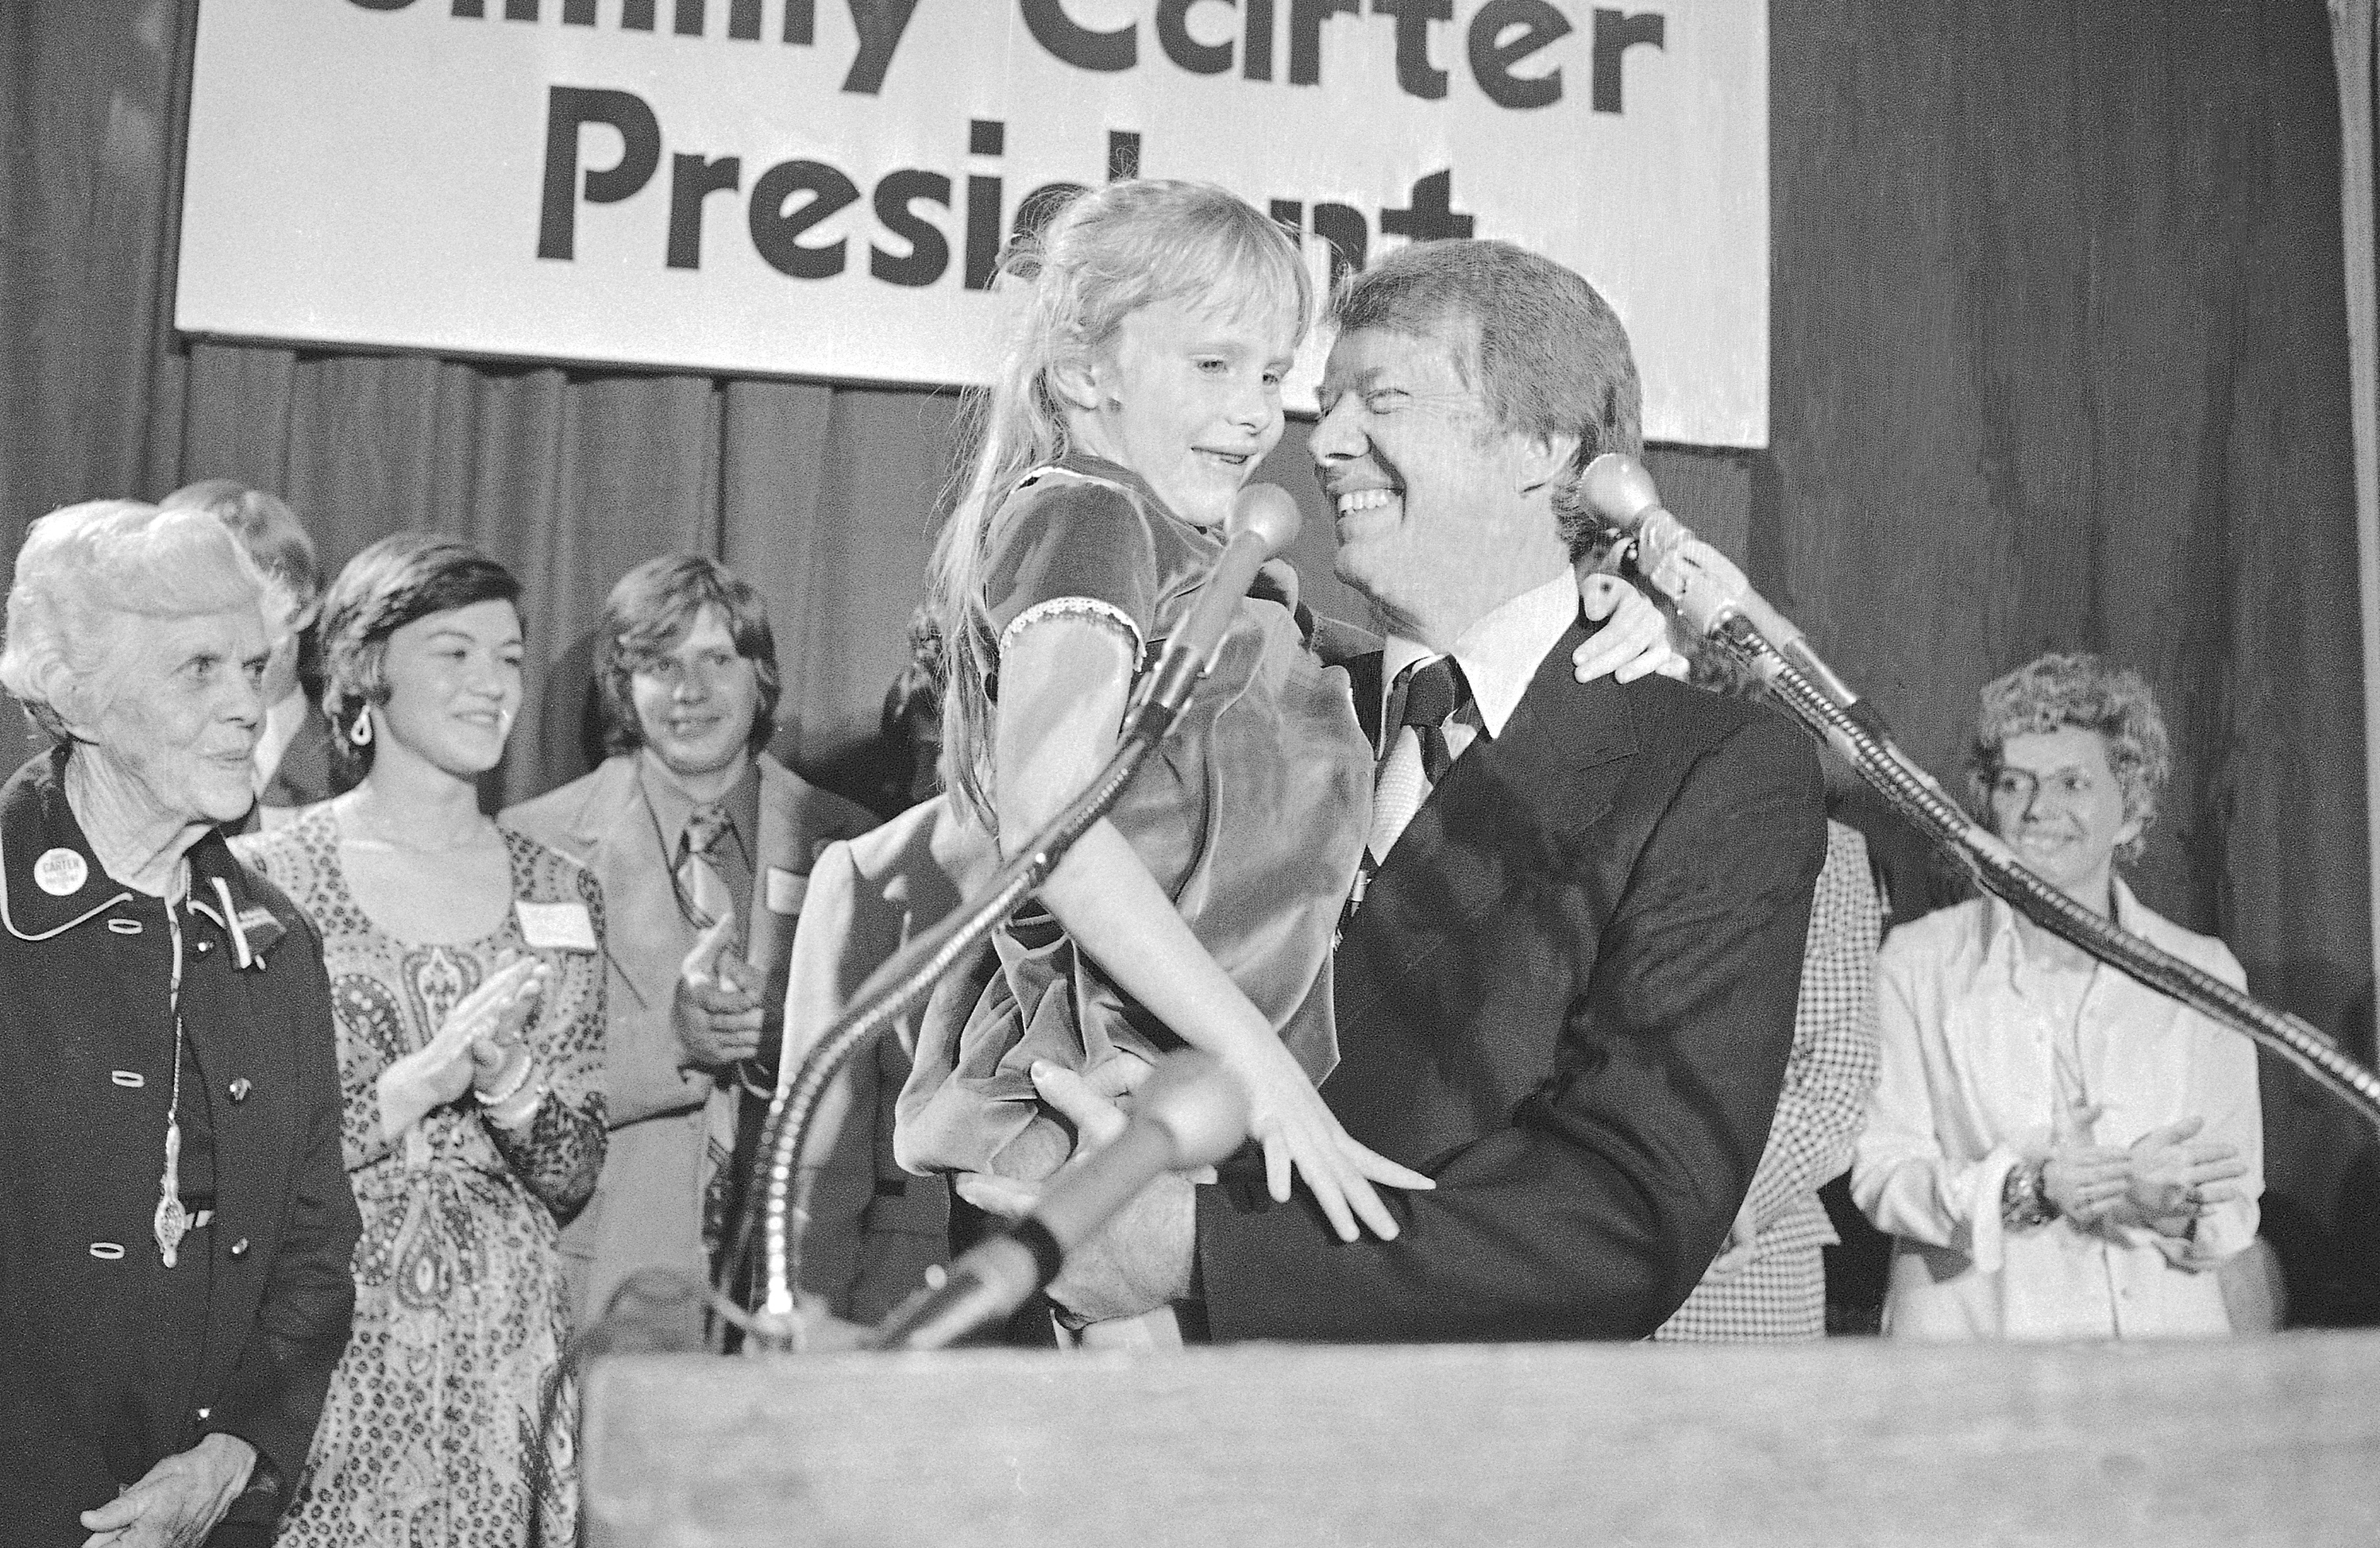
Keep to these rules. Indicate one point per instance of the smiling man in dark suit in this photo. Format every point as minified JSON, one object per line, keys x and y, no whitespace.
{"x":1567,"y":988}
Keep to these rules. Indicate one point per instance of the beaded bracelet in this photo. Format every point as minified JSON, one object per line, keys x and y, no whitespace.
{"x":527,"y":1069}
{"x":529,"y":1100}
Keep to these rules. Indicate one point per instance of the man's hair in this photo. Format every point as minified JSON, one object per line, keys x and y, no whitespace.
{"x":1546,"y":351}
{"x":2079,"y":690}
{"x":265,"y":526}
{"x":650,"y":610}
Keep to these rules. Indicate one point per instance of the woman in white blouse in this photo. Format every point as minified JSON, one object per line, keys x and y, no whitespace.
{"x":2059,"y":1152}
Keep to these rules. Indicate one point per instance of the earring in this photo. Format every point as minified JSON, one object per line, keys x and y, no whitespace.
{"x":361,"y":732}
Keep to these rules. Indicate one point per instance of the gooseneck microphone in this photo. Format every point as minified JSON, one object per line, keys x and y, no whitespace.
{"x":1264,"y":522}
{"x":1713,"y":598}
{"x":1190,"y":1113}
{"x":1703,"y":584}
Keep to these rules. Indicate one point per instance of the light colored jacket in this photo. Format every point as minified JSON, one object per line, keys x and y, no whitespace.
{"x":867,"y":898}
{"x":1967,"y":1084}
{"x":647,"y":1208}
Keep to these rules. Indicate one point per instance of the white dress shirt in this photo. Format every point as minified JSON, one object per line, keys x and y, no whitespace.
{"x":1500,"y":656}
{"x":1970,"y":1040}
{"x":282,"y":720}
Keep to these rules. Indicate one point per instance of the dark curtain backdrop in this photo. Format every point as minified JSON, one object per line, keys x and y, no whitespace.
{"x":2060,"y":362}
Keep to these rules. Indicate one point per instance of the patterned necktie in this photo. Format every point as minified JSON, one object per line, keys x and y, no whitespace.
{"x":701,"y":890}
{"x":704,"y":896}
{"x":1425,"y":696}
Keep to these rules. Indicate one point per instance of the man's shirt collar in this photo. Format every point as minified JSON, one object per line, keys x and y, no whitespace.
{"x":672,"y":804}
{"x":1500,"y":654}
{"x":282,"y":721}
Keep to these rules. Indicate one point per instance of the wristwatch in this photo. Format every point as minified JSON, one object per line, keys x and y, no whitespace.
{"x":2024,"y":1197}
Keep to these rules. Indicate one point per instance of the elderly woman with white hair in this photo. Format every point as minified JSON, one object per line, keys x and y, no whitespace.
{"x":175,"y":1224}
{"x":295,"y":762}
{"x":2060,"y":1152}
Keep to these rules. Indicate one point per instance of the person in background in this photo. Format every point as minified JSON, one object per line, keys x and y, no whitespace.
{"x":466,"y":972}
{"x":912,"y":719}
{"x":176,"y":1222}
{"x":1768,"y":1283}
{"x":870,"y":897}
{"x":2060,"y":1152}
{"x":296,"y":764}
{"x":703,"y":844}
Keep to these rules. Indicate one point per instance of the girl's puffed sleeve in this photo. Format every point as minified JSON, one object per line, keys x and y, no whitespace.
{"x":1066,"y":546}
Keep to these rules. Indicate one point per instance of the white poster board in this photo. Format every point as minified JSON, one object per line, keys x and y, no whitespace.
{"x":820,"y":187}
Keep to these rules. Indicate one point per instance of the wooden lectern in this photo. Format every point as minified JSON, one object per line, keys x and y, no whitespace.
{"x":2273,"y":1440}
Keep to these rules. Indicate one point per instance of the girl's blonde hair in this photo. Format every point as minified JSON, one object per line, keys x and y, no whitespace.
{"x":1105,"y":255}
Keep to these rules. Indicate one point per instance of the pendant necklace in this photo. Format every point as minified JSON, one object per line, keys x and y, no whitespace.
{"x":172,"y":1221}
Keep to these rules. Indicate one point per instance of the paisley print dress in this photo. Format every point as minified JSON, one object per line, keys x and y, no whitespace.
{"x":429,"y":1438}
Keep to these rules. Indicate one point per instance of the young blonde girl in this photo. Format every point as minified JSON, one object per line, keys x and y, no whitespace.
{"x":1141,"y":389}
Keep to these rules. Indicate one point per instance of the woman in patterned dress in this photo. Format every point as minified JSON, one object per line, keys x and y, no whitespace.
{"x":466,"y":977}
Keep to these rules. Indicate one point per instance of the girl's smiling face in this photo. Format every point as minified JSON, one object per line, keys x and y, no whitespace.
{"x":1187,"y":396}
{"x":455,"y":686}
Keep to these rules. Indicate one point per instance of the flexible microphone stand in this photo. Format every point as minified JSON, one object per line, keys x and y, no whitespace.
{"x":904,"y":980}
{"x":1712,"y":596}
{"x":1264,"y":522}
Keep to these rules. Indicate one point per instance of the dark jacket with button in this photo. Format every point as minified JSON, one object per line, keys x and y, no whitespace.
{"x":1568,"y":996}
{"x":90,"y":1394}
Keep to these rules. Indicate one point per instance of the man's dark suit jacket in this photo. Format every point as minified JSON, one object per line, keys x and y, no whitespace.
{"x":1568,"y":996}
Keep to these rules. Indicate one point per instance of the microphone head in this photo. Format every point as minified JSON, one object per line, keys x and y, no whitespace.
{"x":1268,"y":511}
{"x":1201,"y":1108}
{"x":1619,"y":493}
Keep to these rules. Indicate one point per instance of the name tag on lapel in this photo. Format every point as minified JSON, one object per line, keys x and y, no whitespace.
{"x":556,"y":926}
{"x":785,"y":890}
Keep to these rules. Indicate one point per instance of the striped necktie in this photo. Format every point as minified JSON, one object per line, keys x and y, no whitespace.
{"x":1427,"y":694}
{"x":705,"y":898}
{"x":703,"y":891}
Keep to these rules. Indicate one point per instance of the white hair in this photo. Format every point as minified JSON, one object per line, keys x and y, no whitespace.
{"x":88,"y":573}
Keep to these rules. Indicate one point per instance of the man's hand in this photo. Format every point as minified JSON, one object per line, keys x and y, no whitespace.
{"x":1141,"y":1260}
{"x":1736,"y":1252}
{"x":717,"y":1010}
{"x":180,"y":1500}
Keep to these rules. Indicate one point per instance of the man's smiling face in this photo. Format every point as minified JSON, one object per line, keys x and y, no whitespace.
{"x":1428,"y":488}
{"x":695,"y":700}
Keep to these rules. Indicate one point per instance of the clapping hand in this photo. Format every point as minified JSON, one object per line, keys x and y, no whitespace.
{"x":477,"y":1044}
{"x":481,"y":1036}
{"x":717,"y":1010}
{"x":2175,"y":1177}
{"x":2084,"y":1181}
